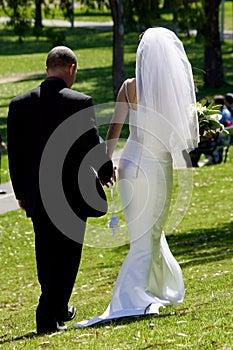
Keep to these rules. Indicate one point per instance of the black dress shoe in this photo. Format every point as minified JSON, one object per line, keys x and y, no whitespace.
{"x":60,"y":327}
{"x":70,"y":314}
{"x":46,"y":324}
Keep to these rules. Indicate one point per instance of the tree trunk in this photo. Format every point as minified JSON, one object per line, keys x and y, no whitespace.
{"x":155,"y":8}
{"x":212,"y":46}
{"x":38,"y":15}
{"x":167,"y":4}
{"x":143,"y":10}
{"x":118,"y":44}
{"x":129,"y":20}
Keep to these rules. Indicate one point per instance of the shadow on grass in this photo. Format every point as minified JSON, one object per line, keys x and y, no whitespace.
{"x":76,"y":38}
{"x":25,"y":336}
{"x":114,"y":323}
{"x":29,"y":335}
{"x":197,"y":247}
{"x":103,"y":93}
{"x":126,"y":320}
{"x":202,"y":246}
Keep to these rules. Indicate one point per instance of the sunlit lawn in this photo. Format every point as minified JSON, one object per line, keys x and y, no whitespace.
{"x":94,"y":52}
{"x":202,"y":242}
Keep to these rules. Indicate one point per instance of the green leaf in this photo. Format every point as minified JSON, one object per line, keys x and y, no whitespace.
{"x":214,"y":124}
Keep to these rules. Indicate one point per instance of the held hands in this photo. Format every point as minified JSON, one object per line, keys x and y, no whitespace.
{"x":106,"y":180}
{"x":106,"y":173}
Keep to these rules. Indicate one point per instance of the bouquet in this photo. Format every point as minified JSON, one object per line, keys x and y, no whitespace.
{"x":209,"y":119}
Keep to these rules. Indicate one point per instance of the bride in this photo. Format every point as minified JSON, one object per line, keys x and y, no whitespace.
{"x":160,"y":102}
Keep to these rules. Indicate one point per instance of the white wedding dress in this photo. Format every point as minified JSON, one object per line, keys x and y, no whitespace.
{"x":150,"y":277}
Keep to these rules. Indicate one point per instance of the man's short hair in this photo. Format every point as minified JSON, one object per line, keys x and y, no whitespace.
{"x":229,"y":98}
{"x":60,"y":56}
{"x":219,"y":99}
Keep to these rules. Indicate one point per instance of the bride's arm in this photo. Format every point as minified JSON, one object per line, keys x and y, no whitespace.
{"x":118,"y":119}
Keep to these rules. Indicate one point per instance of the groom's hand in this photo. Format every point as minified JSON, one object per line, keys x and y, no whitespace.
{"x":106,"y":182}
{"x":106,"y":173}
{"x":111,"y":181}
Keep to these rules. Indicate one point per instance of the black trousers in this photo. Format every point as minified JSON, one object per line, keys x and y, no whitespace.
{"x":58,"y":259}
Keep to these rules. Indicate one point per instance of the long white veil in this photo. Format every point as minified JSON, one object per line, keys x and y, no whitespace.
{"x":165,"y":89}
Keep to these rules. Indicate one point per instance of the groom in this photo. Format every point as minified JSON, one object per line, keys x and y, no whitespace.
{"x":33,"y":117}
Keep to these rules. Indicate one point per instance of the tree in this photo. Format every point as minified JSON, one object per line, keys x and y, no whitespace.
{"x":129,"y":14}
{"x":204,"y":17}
{"x":23,"y":13}
{"x":190,"y":15}
{"x":38,"y":16}
{"x":93,"y":4}
{"x":118,"y":71}
{"x":212,"y":45}
{"x":19,"y":14}
{"x":140,"y":14}
{"x":144,"y":10}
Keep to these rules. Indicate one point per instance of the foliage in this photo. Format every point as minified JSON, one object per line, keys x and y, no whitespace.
{"x":22,"y":67}
{"x":22,"y":13}
{"x":93,"y":4}
{"x":19,"y":14}
{"x":55,"y":35}
{"x":208,"y":118}
{"x":140,"y":14}
{"x":190,"y":15}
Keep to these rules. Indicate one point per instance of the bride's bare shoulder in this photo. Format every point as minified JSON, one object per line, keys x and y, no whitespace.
{"x":131,"y":88}
{"x":131,"y":82}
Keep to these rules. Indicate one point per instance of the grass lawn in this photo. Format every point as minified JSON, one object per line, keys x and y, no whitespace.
{"x":202,"y":242}
{"x":94,"y":51}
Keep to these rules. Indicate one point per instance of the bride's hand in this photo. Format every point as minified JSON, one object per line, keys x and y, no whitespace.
{"x":114,"y":173}
{"x":105,"y":181}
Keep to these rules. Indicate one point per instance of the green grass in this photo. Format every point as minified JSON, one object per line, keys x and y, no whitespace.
{"x":104,"y":15}
{"x":80,"y":14}
{"x":228,"y":13}
{"x":92,"y":15}
{"x":202,"y":243}
{"x":94,"y":51}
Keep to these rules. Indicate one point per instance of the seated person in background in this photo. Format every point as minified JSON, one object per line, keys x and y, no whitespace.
{"x":229,"y":104}
{"x":226,"y":119}
{"x":212,"y":147}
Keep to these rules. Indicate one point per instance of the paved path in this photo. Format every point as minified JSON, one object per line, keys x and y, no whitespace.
{"x":7,"y":200}
{"x":64,"y":23}
{"x":101,"y":25}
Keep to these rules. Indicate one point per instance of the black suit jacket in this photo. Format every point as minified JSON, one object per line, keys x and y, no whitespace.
{"x":32,"y":119}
